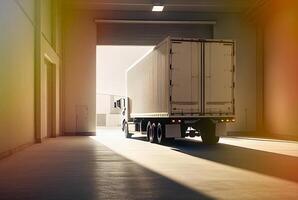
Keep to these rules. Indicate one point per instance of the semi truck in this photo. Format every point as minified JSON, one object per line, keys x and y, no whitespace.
{"x":183,"y":87}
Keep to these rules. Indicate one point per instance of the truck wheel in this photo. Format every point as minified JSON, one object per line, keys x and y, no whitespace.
{"x":152,"y":134}
{"x":126,"y":131}
{"x":206,"y":128}
{"x":208,"y":134}
{"x":160,"y":134}
{"x":183,"y":129}
{"x":209,"y":139}
{"x":148,"y":131}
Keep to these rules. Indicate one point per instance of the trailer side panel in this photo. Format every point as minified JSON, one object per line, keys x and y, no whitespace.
{"x":148,"y":84}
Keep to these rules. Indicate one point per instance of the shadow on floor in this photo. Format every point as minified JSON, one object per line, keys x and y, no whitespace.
{"x":272,"y":164}
{"x":81,"y":168}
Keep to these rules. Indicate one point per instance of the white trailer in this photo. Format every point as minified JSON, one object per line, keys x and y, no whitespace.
{"x":183,"y":87}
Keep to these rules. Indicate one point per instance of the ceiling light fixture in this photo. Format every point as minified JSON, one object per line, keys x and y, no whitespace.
{"x":158,"y":8}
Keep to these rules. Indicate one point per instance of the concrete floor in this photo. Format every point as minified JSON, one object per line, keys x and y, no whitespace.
{"x":109,"y":166}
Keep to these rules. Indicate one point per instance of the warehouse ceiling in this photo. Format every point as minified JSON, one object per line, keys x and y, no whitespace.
{"x":170,"y":5}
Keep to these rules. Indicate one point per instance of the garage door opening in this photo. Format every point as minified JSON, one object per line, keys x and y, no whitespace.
{"x":111,"y":64}
{"x":123,"y":42}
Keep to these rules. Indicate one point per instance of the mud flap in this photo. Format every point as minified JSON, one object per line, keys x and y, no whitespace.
{"x":220,"y":129}
{"x":173,"y":131}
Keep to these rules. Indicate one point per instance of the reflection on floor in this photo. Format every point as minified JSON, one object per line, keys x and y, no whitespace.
{"x":80,"y":168}
{"x":236,"y":168}
{"x":109,"y":166}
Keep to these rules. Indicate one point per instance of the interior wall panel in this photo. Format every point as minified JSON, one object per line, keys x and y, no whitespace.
{"x":281,"y":71}
{"x":16,"y":76}
{"x":148,"y":34}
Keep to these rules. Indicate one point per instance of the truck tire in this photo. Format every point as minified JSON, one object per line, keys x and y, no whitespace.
{"x":208,"y":134}
{"x":152,"y":134}
{"x":183,"y":129}
{"x":160,"y":134}
{"x":207,"y":127}
{"x":209,"y":139}
{"x":147,"y":130}
{"x":126,"y":131}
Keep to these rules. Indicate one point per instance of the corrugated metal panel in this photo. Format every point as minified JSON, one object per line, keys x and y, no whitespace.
{"x":149,"y":34}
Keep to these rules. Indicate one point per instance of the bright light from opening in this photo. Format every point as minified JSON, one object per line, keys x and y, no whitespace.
{"x":157,"y":8}
{"x":111,"y":65}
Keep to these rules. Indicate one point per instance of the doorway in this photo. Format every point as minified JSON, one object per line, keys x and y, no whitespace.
{"x":50,"y":99}
{"x":112,"y":63}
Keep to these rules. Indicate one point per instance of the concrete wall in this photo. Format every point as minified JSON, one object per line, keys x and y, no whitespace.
{"x":47,"y":19}
{"x":21,"y":57}
{"x":234,"y":26}
{"x":281,"y":70}
{"x":16,"y":74}
{"x":79,"y":70}
{"x":47,"y":53}
{"x":80,"y":55}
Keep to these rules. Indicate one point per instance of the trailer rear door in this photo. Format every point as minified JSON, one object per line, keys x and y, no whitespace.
{"x":219,"y":79}
{"x":185,"y":77}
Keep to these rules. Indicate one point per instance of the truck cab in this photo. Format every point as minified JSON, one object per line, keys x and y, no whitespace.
{"x":121,"y":105}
